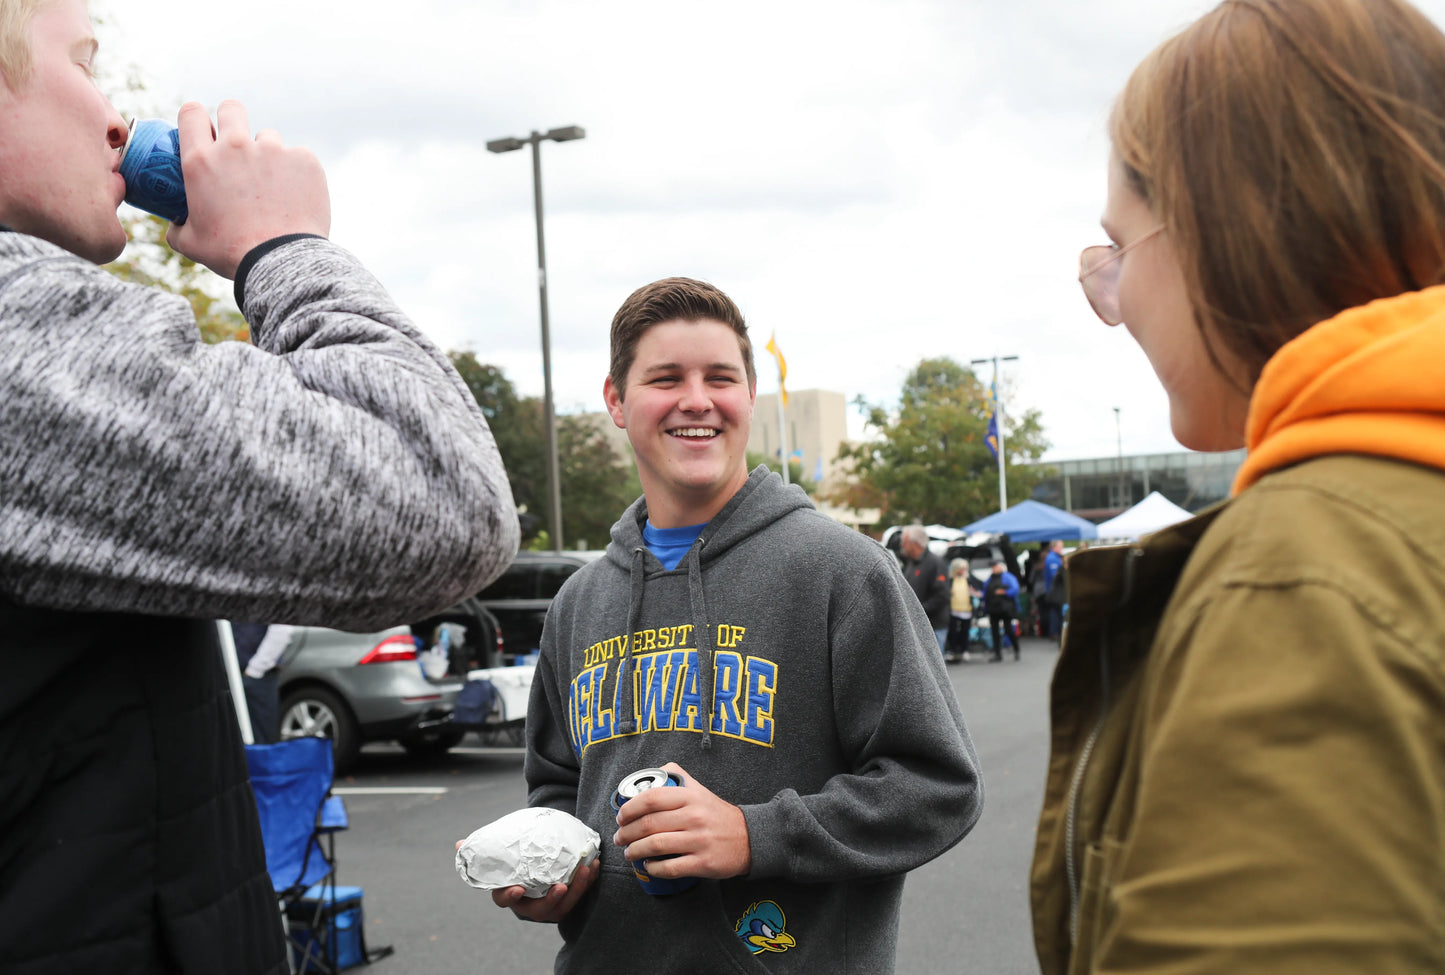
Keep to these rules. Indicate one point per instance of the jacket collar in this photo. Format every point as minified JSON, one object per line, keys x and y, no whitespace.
{"x":1117,"y":595}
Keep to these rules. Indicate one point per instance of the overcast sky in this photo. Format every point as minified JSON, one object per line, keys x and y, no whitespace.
{"x":874,"y":182}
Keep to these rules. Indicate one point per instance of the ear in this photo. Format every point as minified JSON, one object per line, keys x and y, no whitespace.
{"x":613,"y":398}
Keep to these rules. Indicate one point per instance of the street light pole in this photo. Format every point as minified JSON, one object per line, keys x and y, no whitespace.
{"x":1119,"y":439}
{"x":554,"y":473}
{"x":998,"y":413}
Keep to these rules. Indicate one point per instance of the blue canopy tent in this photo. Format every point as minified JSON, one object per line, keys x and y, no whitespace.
{"x":1034,"y":521}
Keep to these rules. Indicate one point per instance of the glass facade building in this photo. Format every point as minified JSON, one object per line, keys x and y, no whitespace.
{"x":1102,"y":487}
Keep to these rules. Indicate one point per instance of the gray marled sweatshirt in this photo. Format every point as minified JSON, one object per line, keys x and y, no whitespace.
{"x":337,"y":473}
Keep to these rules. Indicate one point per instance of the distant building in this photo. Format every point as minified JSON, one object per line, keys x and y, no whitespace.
{"x":1102,"y":487}
{"x":817,"y":424}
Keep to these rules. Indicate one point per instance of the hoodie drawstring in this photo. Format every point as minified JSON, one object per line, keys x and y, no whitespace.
{"x":627,"y":725}
{"x":704,"y":641}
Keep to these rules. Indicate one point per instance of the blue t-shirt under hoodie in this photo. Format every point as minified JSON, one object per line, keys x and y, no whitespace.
{"x":670,"y":544}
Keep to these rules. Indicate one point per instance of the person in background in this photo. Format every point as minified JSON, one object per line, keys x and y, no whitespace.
{"x":962,"y":588}
{"x":151,"y":484}
{"x":1001,"y":593}
{"x":258,"y":650}
{"x":1054,"y":597}
{"x":1248,"y":768}
{"x":927,"y":578}
{"x":772,"y":659}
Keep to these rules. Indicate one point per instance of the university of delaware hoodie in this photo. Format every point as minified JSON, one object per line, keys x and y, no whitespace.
{"x":825,"y":714}
{"x":1364,"y":382}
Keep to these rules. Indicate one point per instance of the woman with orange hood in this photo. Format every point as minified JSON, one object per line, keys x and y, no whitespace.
{"x":1248,"y":766}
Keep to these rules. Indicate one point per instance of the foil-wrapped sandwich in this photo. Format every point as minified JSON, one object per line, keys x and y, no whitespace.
{"x":531,"y":848}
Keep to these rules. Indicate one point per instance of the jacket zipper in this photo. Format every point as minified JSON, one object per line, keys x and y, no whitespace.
{"x":1071,"y":830}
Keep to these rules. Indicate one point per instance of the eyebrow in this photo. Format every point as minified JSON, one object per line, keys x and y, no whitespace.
{"x":676,"y":366}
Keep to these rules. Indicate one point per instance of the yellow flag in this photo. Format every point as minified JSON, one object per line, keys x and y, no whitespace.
{"x":772,"y":347}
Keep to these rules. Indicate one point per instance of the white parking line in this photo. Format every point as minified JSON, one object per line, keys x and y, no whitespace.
{"x":383,"y":790}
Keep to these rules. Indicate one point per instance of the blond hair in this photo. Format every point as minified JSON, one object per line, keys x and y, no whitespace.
{"x":15,"y":17}
{"x":1293,"y":150}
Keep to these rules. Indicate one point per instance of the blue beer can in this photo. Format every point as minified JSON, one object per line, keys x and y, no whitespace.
{"x":630,"y":787}
{"x":151,"y":167}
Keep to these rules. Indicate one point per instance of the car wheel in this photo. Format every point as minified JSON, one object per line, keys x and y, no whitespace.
{"x":433,"y":742}
{"x":315,"y":711}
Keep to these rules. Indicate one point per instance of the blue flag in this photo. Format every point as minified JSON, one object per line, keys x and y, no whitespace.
{"x":990,"y":439}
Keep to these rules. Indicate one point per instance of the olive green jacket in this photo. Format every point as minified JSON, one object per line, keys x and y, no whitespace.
{"x":1247,"y":770}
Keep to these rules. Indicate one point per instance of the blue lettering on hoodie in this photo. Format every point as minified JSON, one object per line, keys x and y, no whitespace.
{"x":665,"y":691}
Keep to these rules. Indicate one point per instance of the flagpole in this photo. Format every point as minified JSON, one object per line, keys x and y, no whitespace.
{"x":998,"y":412}
{"x":782,"y":436}
{"x":1002,"y":451}
{"x":783,"y":456}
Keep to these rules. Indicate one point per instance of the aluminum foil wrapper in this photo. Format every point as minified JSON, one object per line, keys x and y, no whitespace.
{"x":532,"y":848}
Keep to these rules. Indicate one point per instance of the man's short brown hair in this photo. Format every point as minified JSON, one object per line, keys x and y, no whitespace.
{"x":672,"y":299}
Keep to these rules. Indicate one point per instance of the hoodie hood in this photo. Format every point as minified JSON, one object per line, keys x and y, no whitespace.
{"x":760,"y":502}
{"x":1364,"y":382}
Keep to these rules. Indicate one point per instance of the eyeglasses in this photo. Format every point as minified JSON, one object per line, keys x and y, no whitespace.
{"x":1099,"y":275}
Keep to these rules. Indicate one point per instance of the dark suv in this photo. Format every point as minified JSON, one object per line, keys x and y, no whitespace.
{"x":519,"y":599}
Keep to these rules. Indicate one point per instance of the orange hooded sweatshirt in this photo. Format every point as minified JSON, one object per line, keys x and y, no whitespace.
{"x":1371,"y":380}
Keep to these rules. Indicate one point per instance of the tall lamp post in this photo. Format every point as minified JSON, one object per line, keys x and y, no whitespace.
{"x":1119,"y":440}
{"x":554,"y":475}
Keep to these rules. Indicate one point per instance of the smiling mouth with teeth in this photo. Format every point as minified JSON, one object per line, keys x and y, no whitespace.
{"x":694,"y":433}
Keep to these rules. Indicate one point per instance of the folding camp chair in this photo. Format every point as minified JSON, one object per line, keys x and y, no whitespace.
{"x":299,"y":821}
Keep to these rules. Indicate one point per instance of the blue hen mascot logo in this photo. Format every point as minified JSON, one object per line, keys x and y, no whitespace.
{"x":761,"y":928}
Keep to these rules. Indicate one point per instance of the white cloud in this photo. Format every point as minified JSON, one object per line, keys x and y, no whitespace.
{"x":876,"y":182}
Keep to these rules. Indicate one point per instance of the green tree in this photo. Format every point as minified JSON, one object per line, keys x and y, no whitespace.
{"x":149,"y":260}
{"x":597,"y":483}
{"x":929,"y":462}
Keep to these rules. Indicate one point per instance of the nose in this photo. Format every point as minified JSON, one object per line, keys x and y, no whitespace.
{"x":694,"y":398}
{"x":116,"y":130}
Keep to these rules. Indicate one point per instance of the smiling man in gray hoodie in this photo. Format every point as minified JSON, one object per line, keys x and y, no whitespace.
{"x":820,"y":747}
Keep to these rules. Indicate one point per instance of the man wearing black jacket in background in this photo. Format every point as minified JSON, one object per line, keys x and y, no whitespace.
{"x":927,"y":578}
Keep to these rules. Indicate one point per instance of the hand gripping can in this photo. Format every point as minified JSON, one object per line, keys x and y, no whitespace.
{"x":629,"y":788}
{"x":150,"y":163}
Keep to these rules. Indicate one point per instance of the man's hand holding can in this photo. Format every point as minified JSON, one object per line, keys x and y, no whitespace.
{"x":241,"y":191}
{"x":694,"y":832}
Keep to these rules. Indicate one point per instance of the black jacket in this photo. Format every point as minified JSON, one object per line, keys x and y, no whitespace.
{"x":112,"y":788}
{"x":929,"y":581}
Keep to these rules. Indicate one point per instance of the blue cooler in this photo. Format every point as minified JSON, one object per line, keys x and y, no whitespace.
{"x":326,"y":923}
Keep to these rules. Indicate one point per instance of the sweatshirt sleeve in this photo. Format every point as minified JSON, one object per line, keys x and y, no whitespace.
{"x":551,"y":768}
{"x":914,"y":789}
{"x":336,"y":473}
{"x":268,"y":654}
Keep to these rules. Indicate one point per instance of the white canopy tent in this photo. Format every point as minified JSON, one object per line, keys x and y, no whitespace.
{"x":1150,"y":515}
